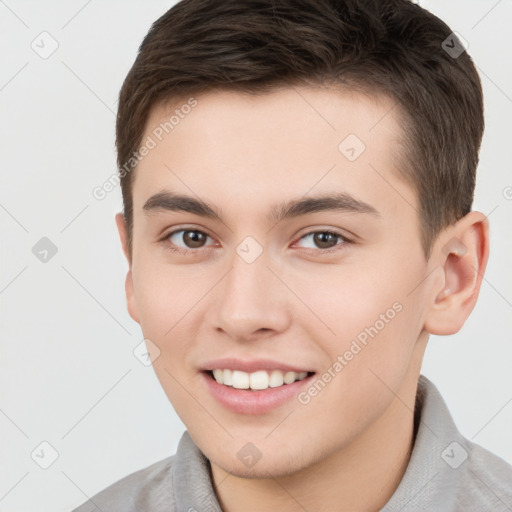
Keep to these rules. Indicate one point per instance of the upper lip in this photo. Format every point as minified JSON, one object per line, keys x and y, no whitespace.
{"x":251,"y":365}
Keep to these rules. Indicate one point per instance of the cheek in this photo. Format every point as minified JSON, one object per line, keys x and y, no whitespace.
{"x":166,"y":301}
{"x":368,"y":317}
{"x":347,"y":300}
{"x":164,"y":295}
{"x":171,"y":303}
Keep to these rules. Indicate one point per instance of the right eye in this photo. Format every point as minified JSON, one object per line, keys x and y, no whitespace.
{"x":185,"y":240}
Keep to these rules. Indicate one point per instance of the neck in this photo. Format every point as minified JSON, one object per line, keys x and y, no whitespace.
{"x":360,"y":477}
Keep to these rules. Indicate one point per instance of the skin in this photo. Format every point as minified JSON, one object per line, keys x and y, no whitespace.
{"x":348,"y":448}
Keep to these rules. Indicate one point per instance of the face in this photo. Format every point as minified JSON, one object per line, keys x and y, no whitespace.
{"x":291,"y":263}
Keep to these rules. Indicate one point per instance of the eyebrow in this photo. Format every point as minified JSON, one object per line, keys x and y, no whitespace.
{"x":341,"y":201}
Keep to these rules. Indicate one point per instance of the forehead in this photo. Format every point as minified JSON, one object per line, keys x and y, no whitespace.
{"x":252,"y":149}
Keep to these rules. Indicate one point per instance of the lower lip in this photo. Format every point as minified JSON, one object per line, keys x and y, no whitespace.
{"x":244,"y":401}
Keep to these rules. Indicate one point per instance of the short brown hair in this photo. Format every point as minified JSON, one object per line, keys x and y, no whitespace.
{"x":393,"y":47}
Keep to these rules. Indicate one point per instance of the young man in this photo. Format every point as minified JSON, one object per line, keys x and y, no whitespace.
{"x":297,"y":181}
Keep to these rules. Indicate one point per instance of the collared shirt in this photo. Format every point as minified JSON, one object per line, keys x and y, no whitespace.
{"x":446,"y":473}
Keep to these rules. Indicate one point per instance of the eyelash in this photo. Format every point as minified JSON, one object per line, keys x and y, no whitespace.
{"x":172,"y":247}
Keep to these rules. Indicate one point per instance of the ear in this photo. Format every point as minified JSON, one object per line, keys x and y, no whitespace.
{"x":128,"y":285}
{"x":123,"y":235}
{"x":462,"y":253}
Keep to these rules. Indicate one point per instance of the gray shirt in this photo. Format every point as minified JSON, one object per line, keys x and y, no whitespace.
{"x":446,"y":473}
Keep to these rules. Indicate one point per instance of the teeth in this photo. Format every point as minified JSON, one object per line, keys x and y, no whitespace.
{"x":289,"y":377}
{"x":227,"y":377}
{"x":258,"y":380}
{"x":240,"y":380}
{"x":276,"y":379}
{"x":219,"y":376}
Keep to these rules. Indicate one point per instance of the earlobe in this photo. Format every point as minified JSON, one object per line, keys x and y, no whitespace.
{"x":462,"y":253}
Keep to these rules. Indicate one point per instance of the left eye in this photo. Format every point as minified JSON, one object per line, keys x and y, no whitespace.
{"x":324,"y":239}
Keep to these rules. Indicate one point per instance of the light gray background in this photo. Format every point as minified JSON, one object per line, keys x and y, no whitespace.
{"x":68,"y":374}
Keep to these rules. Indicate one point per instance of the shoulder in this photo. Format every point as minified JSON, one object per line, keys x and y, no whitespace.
{"x":485,"y":479}
{"x":181,"y":481}
{"x":447,"y":472}
{"x":469,"y":476}
{"x":150,"y":488}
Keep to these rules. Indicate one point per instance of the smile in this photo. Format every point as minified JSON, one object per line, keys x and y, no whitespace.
{"x":258,"y":380}
{"x":256,"y":392}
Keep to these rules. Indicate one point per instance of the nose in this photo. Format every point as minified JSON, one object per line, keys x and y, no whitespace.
{"x":251,"y":301}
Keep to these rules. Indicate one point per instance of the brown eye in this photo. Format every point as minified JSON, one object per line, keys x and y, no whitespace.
{"x":325,"y":239}
{"x":187,"y":239}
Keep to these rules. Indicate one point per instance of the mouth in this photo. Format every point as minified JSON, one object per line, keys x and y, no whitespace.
{"x":256,"y":392}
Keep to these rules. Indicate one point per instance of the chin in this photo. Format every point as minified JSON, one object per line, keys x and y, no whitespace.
{"x":272,"y":461}
{"x":270,"y":468}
